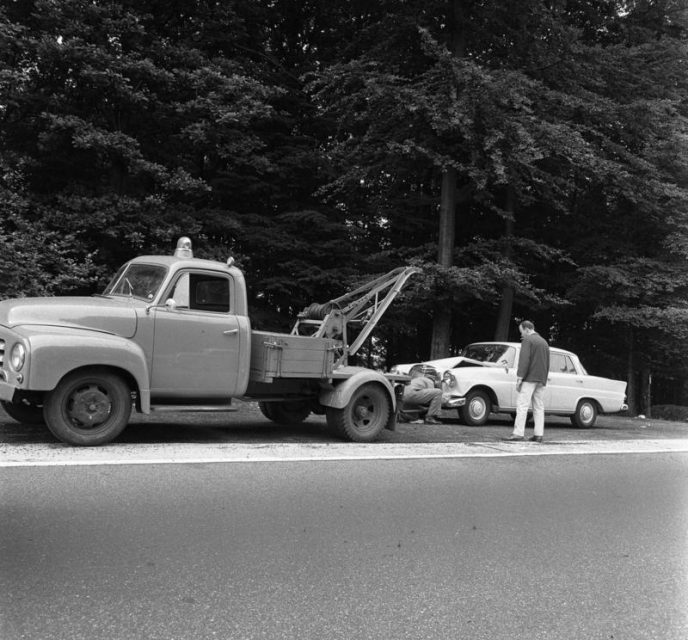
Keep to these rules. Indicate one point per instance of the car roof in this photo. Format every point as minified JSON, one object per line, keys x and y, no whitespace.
{"x":518,"y":346}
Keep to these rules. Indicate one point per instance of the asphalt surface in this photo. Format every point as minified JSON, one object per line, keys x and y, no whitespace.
{"x":572,"y":547}
{"x":205,"y":526}
{"x":247,"y":425}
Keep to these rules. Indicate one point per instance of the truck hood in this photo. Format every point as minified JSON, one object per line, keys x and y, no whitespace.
{"x":99,"y":314}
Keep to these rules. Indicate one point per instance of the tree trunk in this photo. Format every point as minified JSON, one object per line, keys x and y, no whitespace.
{"x":442,"y":322}
{"x":630,"y":376}
{"x":646,"y":393}
{"x":507,"y":304}
{"x":441,"y":326}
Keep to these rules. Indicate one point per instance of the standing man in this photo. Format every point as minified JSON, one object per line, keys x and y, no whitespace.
{"x":421,"y":391}
{"x":531,"y":378}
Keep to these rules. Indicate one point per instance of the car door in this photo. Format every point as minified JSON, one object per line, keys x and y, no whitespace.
{"x":564,"y":384}
{"x":502,"y":378}
{"x":197,"y":340}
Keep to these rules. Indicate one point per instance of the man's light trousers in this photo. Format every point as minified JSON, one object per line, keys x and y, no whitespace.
{"x":531,"y":392}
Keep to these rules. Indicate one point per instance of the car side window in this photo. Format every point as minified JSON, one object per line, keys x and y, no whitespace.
{"x":557,"y":363}
{"x":570,"y":368}
{"x":560,"y":363}
{"x":510,"y":356}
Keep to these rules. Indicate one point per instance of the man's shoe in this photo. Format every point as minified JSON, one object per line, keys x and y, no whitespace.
{"x":431,"y":420}
{"x":536,"y":439}
{"x":513,"y":438}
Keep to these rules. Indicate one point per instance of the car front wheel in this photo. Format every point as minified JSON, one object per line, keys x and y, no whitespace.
{"x":586,"y":414}
{"x":477,"y":409}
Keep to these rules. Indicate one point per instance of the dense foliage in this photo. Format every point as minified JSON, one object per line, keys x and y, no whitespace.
{"x":531,"y":157}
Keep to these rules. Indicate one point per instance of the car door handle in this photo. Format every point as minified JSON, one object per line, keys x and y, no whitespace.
{"x":230,"y":332}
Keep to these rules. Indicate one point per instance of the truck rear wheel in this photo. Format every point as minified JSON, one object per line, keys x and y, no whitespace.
{"x":24,"y":412}
{"x":293,"y":412}
{"x":364,"y":417}
{"x":88,"y":408}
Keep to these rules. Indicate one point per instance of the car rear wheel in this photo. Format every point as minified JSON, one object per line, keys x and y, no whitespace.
{"x":477,"y":409}
{"x":586,"y":414}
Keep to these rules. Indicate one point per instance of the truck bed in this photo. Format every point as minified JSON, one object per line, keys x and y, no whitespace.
{"x":280,"y":355}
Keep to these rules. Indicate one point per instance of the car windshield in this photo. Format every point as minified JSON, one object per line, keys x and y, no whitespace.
{"x":489,"y":352}
{"x":137,"y":280}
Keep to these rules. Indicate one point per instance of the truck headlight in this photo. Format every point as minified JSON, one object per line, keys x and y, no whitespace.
{"x":18,"y":356}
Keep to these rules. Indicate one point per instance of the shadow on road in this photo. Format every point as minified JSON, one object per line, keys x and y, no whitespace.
{"x":247,"y":425}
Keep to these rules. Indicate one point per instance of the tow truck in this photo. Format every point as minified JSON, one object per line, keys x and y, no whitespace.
{"x":172,"y":333}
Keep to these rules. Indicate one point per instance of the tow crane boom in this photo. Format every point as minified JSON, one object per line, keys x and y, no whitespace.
{"x":362,"y":307}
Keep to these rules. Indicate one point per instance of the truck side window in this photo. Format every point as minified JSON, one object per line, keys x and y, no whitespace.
{"x":202,"y":292}
{"x":208,"y":293}
{"x":180,"y":292}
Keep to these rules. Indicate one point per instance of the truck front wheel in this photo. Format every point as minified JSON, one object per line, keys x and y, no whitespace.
{"x":88,"y":408}
{"x":364,"y":417}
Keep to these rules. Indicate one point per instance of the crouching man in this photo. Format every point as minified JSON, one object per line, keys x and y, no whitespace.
{"x":421,"y":392}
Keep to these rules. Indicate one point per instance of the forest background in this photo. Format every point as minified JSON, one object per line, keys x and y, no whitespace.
{"x":531,"y":156}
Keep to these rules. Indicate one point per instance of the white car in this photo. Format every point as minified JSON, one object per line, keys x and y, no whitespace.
{"x":482,"y":380}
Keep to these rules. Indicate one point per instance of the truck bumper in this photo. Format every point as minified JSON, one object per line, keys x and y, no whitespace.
{"x":7,"y":391}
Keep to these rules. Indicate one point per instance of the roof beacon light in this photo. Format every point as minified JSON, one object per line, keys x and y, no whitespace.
{"x":183,"y":249}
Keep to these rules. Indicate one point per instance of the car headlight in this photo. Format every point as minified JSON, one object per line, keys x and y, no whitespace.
{"x":18,"y":356}
{"x":448,"y":379}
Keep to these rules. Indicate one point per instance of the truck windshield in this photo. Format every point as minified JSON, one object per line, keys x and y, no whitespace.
{"x":137,"y":281}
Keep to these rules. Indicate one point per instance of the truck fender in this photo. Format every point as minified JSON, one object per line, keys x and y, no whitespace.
{"x":340,"y":396}
{"x":55,"y":353}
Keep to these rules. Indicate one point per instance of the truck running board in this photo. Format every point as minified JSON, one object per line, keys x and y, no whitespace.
{"x":189,"y":407}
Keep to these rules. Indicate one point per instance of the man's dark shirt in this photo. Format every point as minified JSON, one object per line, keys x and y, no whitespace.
{"x":533,"y":363}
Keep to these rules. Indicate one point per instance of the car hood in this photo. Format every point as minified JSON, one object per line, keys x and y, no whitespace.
{"x":462,"y":362}
{"x":99,"y":314}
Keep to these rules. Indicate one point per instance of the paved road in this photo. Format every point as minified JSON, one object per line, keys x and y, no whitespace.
{"x":197,"y":526}
{"x":503,"y":548}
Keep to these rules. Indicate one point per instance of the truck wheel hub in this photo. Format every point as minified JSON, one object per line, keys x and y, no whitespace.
{"x":90,"y":406}
{"x":361,"y":412}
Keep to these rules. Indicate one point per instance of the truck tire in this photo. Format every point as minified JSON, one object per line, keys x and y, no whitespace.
{"x":88,"y":408}
{"x":477,"y":409}
{"x":364,"y":417}
{"x":24,"y":412}
{"x":586,"y":414}
{"x":294,"y":412}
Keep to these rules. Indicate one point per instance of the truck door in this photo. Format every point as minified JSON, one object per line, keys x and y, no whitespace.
{"x":198,"y":340}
